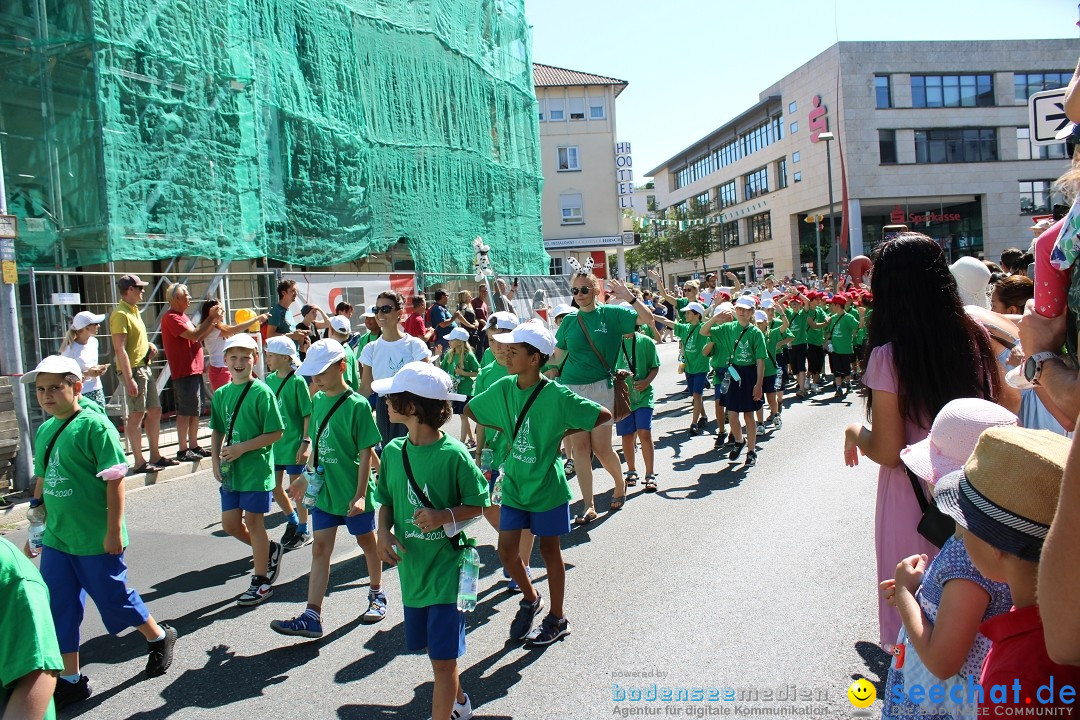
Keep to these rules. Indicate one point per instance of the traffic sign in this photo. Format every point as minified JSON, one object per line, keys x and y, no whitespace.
{"x":759,"y":272}
{"x":634,"y":278}
{"x":1046,"y":116}
{"x":759,"y":263}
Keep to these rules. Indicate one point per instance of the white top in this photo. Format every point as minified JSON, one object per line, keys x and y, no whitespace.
{"x":706,"y":295}
{"x":87,"y":357}
{"x":385,"y":358}
{"x":215,"y":347}
{"x":771,"y":294}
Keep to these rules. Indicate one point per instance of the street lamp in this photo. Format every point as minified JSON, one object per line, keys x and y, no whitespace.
{"x":828,"y":137}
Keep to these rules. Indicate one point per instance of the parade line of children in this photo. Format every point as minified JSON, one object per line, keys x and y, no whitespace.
{"x":405,"y":494}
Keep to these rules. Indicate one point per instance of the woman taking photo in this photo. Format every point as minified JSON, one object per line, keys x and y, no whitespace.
{"x":469,"y":321}
{"x":918,"y":362}
{"x":590,"y":376}
{"x":81,"y":344}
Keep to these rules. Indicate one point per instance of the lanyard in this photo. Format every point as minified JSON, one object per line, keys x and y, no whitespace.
{"x":322,"y":426}
{"x":236,"y":411}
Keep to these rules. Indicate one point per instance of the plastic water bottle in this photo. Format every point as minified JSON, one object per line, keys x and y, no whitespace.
{"x":496,"y":492}
{"x":314,"y":485}
{"x":225,"y":466}
{"x":36,"y":516}
{"x":468,"y":580}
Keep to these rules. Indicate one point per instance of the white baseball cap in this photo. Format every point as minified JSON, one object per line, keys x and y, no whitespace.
{"x":55,"y":364}
{"x":369,"y":312}
{"x":696,"y":307}
{"x":419,"y":378}
{"x":503,"y":321}
{"x":321,"y":355}
{"x":458,"y":333}
{"x":561,"y":309}
{"x":86,"y":318}
{"x":281,"y":345}
{"x":746,"y":302}
{"x":724,"y":307}
{"x":243,"y":340}
{"x":767,"y":303}
{"x":340,"y":324}
{"x":760,"y":316}
{"x":531,"y":332}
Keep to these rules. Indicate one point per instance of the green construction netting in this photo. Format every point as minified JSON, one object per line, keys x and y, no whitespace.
{"x":311,"y":131}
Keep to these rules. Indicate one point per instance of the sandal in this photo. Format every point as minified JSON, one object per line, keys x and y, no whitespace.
{"x":145,"y":468}
{"x":631,"y":478}
{"x":617,"y":502}
{"x":650,"y":483}
{"x":585,"y":518}
{"x":568,"y":468}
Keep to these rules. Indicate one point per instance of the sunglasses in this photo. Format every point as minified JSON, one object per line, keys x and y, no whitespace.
{"x":386,"y":309}
{"x":580,"y":291}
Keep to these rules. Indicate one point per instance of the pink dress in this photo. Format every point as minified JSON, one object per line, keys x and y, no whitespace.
{"x":898,"y":514}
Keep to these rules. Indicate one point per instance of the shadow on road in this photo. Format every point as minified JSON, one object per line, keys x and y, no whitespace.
{"x":877,"y":662}
{"x":195,"y":580}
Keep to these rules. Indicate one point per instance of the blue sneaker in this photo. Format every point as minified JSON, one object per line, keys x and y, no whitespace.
{"x":512,"y":586}
{"x":307,"y":624}
{"x":376,"y":607}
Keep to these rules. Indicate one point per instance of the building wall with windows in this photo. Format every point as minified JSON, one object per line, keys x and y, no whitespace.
{"x":934,"y":135}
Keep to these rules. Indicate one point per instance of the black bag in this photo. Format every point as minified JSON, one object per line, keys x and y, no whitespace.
{"x":935,"y":526}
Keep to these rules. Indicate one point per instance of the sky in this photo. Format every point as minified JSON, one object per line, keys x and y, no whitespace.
{"x":693,"y":65}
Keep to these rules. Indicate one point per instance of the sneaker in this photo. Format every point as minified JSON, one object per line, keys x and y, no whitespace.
{"x":839,"y":392}
{"x":751,"y":458}
{"x":568,"y":468}
{"x":68,"y":693}
{"x":161,"y":653}
{"x":462,"y":711}
{"x":719,"y":442}
{"x":376,"y":609}
{"x":550,"y":630}
{"x":307,"y":624}
{"x":512,"y":586}
{"x":703,"y":424}
{"x":288,"y":535}
{"x":201,"y":452}
{"x":730,"y":440}
{"x":188,"y":456}
{"x":256,"y":593}
{"x":298,"y":540}
{"x":778,"y":422}
{"x":770,"y":422}
{"x":526,"y":614}
{"x":694,"y":429}
{"x":273,"y":566}
{"x":736,"y":449}
{"x":761,"y":428}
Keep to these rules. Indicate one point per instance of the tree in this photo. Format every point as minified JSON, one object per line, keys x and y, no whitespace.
{"x":698,"y":239}
{"x":654,"y":250}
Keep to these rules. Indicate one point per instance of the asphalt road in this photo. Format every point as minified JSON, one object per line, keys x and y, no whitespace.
{"x":759,"y":581}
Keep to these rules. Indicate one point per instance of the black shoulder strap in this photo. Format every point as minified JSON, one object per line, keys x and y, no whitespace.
{"x":916,"y":485}
{"x":236,"y":411}
{"x":632,"y":362}
{"x":735,"y":347}
{"x":284,"y":380}
{"x":326,"y":421}
{"x":49,"y":449}
{"x":455,"y":541}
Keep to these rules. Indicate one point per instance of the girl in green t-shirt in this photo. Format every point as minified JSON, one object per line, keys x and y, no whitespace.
{"x":291,"y":451}
{"x":460,"y":363}
{"x":695,"y":362}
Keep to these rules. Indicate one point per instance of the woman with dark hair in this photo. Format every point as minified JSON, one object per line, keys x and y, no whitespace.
{"x":917,"y":362}
{"x":214,"y":343}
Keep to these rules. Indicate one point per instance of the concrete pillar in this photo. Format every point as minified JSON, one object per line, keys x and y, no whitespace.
{"x":855,"y":226}
{"x":621,"y":254}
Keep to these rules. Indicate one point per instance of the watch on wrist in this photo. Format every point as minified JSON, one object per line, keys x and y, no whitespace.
{"x":1033,"y":366}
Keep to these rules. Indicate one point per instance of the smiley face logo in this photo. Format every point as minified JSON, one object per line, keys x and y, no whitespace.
{"x":862,"y":693}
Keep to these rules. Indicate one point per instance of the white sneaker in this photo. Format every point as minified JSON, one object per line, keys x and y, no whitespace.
{"x":462,"y":711}
{"x":761,"y":428}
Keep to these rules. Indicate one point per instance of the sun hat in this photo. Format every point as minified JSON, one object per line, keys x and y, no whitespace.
{"x":321,"y":355}
{"x":340,"y":324}
{"x":281,"y":345}
{"x":503,"y":320}
{"x":129,"y":281}
{"x":1007,"y":492}
{"x":53,"y":364}
{"x":1041,"y":226}
{"x":243,"y":340}
{"x":760,"y":316}
{"x":419,"y":378}
{"x":696,"y":307}
{"x":953,"y":437}
{"x":746,"y":302}
{"x":458,"y":334}
{"x":531,"y":332}
{"x":86,"y":318}
{"x":972,"y":278}
{"x":561,"y":309}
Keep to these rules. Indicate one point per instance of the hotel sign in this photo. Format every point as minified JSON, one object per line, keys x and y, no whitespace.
{"x":581,"y":243}
{"x":624,"y":175}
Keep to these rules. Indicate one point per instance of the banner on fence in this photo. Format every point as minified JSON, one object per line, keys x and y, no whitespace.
{"x":358,"y":289}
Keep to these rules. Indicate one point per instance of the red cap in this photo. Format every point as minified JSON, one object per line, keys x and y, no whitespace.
{"x":838,"y":299}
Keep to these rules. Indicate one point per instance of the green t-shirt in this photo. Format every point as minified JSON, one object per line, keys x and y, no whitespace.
{"x":28,"y":643}
{"x":253,"y":471}
{"x":680,"y":305}
{"x":693,"y":342}
{"x":606,"y":325}
{"x":489,"y":375}
{"x":750,"y":345}
{"x":774,"y":338}
{"x":721,"y":353}
{"x":76,"y":500}
{"x":860,"y":336}
{"x":351,"y":430}
{"x":534,"y":478}
{"x":797,"y":320}
{"x":488,"y":358}
{"x":647,"y":331}
{"x":352,"y":369}
{"x":366,"y":338}
{"x":843,"y":328}
{"x":428,"y":570}
{"x":294,"y":404}
{"x":816,"y":336}
{"x":469,"y":363}
{"x":641,"y":352}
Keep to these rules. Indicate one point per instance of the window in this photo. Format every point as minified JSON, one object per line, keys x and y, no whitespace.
{"x":797,"y":177}
{"x":796,"y":157}
{"x":572,"y":214}
{"x":956,"y":145}
{"x":760,"y":227}
{"x":556,"y":110}
{"x":952,"y":91}
{"x":555,"y":267}
{"x":540,"y":107}
{"x":568,"y":159}
{"x":729,"y":234}
{"x":704,"y":200}
{"x":887,"y":147}
{"x":1025,"y":150}
{"x":1027,"y":84}
{"x":577,"y":108}
{"x":732,"y":151}
{"x":725,"y":195}
{"x":882,"y":92}
{"x":1036,"y":197}
{"x":597,"y":108}
{"x":756,"y":183}
{"x":794,"y":127}
{"x":792,"y":107}
{"x":781,"y":173}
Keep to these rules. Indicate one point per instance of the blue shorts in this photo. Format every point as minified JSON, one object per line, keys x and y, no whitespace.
{"x":290,"y":469}
{"x":71,"y":578}
{"x":361,"y":524}
{"x":695,"y":382}
{"x":252,"y":502}
{"x":640,"y":419}
{"x":439,"y":628}
{"x":553,"y":522}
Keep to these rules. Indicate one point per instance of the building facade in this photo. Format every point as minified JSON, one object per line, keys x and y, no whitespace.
{"x":934,"y":135}
{"x":580,"y":203}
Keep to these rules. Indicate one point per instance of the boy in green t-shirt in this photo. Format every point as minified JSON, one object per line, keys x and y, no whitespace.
{"x":246,"y":423}
{"x":460,"y":363}
{"x":341,"y":331}
{"x":816,"y":322}
{"x":79,"y":478}
{"x":428,"y":486}
{"x":746,"y":369}
{"x":840,"y":342}
{"x":776,"y":337}
{"x":719,"y":354}
{"x":341,"y":457}
{"x":291,"y":451}
{"x":496,"y":323}
{"x":639,"y":355}
{"x":696,"y":363}
{"x":534,"y":414}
